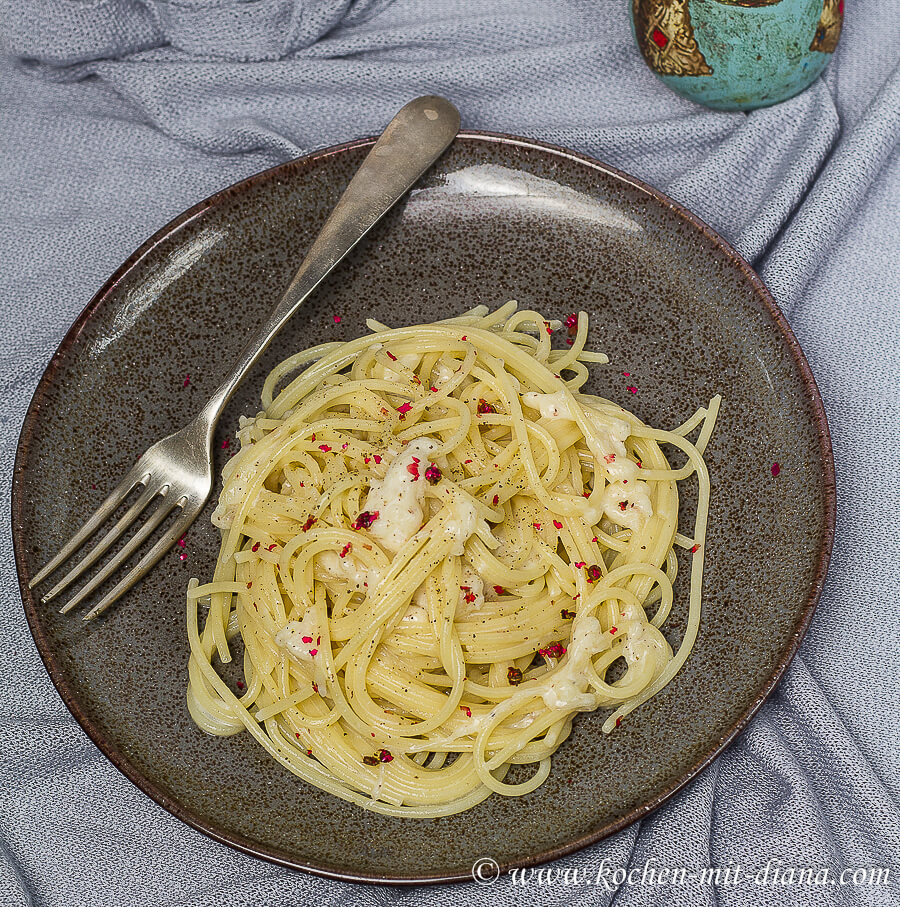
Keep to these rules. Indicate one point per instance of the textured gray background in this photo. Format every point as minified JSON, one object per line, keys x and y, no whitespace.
{"x":116,"y":115}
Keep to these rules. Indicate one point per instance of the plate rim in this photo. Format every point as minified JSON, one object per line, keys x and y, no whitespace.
{"x":274,"y":855}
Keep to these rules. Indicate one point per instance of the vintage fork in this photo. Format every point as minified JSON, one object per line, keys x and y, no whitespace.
{"x":179,"y":469}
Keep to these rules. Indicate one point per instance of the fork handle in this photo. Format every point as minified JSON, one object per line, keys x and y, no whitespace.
{"x":411,"y":143}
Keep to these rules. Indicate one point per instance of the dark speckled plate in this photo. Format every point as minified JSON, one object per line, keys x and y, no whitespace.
{"x":498,"y":218}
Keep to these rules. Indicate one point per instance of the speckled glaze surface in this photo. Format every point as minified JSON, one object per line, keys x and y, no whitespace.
{"x":498,"y":218}
{"x":737,"y":54}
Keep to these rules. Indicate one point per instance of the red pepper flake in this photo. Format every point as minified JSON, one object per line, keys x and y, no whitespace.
{"x":376,"y":458}
{"x":226,"y":444}
{"x":470,"y":597}
{"x":467,"y":710}
{"x":324,"y":448}
{"x":623,"y":505}
{"x":337,"y":319}
{"x":775,"y":469}
{"x":613,"y":629}
{"x":385,"y":756}
{"x":593,"y":573}
{"x":413,"y":469}
{"x":536,"y":525}
{"x":250,"y":584}
{"x":566,"y":614}
{"x":310,"y":522}
{"x":485,"y":407}
{"x":618,"y":720}
{"x":272,"y":547}
{"x":695,"y":549}
{"x":239,"y":684}
{"x":181,"y":542}
{"x":557,"y":524}
{"x":346,"y":549}
{"x":433,"y":474}
{"x":391,"y":356}
{"x":631,"y":389}
{"x":499,"y":590}
{"x":370,"y":760}
{"x":187,"y":380}
{"x":554,"y":650}
{"x":315,"y":688}
{"x":514,"y":676}
{"x":365,"y":519}
{"x":404,"y":409}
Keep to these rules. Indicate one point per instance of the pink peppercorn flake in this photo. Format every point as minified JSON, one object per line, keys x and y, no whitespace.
{"x":610,"y":458}
{"x":365,"y":519}
{"x":618,"y":721}
{"x":310,"y":522}
{"x":554,"y":650}
{"x":485,"y":407}
{"x":495,"y":500}
{"x":775,"y":469}
{"x":404,"y":409}
{"x":187,"y":380}
{"x":433,"y":389}
{"x":593,"y":573}
{"x":499,"y":590}
{"x":557,"y":524}
{"x":433,"y":474}
{"x":463,"y":337}
{"x":226,"y":444}
{"x":391,"y":356}
{"x":313,"y":652}
{"x":467,"y":710}
{"x":346,"y":549}
{"x":271,"y":547}
{"x":626,"y":374}
{"x":514,"y":676}
{"x":337,"y":319}
{"x":613,"y":629}
{"x":377,"y":459}
{"x":413,"y":469}
{"x":536,"y":525}
{"x":623,"y":505}
{"x":370,"y":760}
{"x":324,"y":448}
{"x":181,"y":542}
{"x":569,"y":341}
{"x":547,"y":326}
{"x":182,"y":556}
{"x":571,"y":321}
{"x":255,"y":546}
{"x":631,"y":389}
{"x":250,"y":584}
{"x":306,"y":639}
{"x":385,"y":756}
{"x":580,"y":564}
{"x":695,"y":549}
{"x":94,"y":486}
{"x":239,"y":684}
{"x":566,"y":614}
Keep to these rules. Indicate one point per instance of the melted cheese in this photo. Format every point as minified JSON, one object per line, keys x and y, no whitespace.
{"x":399,"y":497}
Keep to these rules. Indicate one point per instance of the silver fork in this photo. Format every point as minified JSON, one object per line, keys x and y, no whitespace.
{"x":179,"y":469}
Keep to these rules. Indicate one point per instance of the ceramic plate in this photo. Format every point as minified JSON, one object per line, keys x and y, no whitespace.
{"x":498,"y":218}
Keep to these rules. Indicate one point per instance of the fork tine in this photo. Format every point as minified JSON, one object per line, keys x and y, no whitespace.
{"x":144,"y":565}
{"x":104,"y":543}
{"x":158,"y":515}
{"x":133,"y":477}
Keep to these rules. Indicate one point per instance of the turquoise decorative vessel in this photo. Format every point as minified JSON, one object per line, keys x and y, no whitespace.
{"x":737,"y":54}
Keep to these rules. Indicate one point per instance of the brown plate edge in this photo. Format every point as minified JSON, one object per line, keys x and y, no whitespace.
{"x":159,"y":794}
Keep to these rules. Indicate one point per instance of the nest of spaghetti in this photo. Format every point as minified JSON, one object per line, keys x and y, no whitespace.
{"x":434,"y":549}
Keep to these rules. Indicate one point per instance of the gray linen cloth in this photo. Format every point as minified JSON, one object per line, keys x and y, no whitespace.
{"x":117,"y":114}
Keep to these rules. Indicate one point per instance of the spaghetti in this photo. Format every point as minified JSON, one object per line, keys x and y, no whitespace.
{"x":435,"y":549}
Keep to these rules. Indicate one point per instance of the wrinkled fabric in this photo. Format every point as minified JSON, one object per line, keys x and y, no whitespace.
{"x":193,"y":95}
